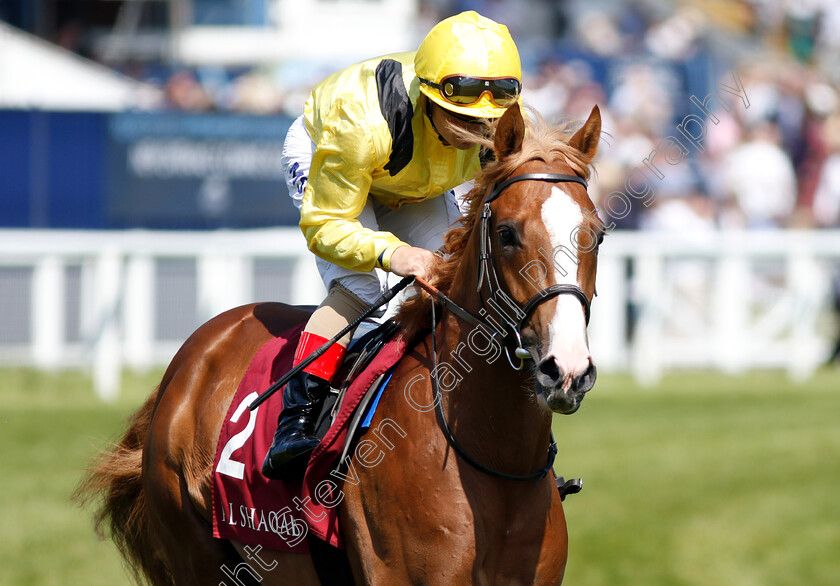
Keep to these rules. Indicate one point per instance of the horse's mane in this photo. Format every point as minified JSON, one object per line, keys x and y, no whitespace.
{"x":543,"y":142}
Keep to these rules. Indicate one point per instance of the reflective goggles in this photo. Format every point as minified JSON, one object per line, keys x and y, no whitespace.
{"x":466,"y":91}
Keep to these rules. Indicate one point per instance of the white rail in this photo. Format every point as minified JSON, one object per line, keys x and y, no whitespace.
{"x":728,"y":301}
{"x":118,"y":294}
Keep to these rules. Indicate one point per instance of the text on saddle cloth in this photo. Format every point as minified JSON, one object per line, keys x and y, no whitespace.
{"x":278,"y":515}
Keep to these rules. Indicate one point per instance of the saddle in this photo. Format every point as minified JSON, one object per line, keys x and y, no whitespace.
{"x":370,"y":339}
{"x":254,"y":510}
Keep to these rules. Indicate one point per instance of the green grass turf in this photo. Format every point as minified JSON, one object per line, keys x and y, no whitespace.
{"x":705,"y":480}
{"x":51,"y":426}
{"x":702,"y":480}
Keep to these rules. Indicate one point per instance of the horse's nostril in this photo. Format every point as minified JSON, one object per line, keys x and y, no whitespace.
{"x":548,"y":367}
{"x":587,"y":380}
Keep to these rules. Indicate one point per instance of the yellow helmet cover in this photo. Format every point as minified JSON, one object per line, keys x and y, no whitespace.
{"x":470,"y":45}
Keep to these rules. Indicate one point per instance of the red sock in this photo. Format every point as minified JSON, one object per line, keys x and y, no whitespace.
{"x":326,"y":364}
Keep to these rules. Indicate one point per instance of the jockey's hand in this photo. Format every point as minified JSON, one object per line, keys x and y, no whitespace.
{"x":412,"y":261}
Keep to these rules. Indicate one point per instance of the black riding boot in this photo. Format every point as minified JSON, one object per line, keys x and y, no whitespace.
{"x":302,"y":400}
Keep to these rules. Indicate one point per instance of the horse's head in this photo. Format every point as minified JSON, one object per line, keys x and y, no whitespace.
{"x":543,"y":236}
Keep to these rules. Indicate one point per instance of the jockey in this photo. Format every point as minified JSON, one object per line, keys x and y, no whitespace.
{"x":365,"y":164}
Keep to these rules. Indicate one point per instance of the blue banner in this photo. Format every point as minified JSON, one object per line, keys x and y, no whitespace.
{"x":197,"y":171}
{"x":142,"y":170}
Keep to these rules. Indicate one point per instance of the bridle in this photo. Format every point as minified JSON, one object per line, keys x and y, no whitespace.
{"x":513,"y":325}
{"x":510,"y":332}
{"x":488,"y":271}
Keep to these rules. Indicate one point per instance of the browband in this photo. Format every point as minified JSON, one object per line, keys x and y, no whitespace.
{"x":550,"y":177}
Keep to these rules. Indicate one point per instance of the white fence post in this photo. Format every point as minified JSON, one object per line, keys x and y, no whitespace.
{"x":647,"y":348}
{"x":138,"y":311}
{"x":308,"y":287}
{"x":224,"y":282}
{"x":107,"y":355}
{"x":48,"y":312}
{"x":609,"y":323}
{"x":808,"y":284}
{"x":730,"y":308}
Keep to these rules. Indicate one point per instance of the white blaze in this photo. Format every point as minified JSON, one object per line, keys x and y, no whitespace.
{"x":567,"y":330}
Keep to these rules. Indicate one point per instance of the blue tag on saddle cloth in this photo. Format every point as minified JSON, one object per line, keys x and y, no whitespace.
{"x":371,"y":408}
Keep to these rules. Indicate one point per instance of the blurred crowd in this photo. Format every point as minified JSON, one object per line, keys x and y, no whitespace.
{"x":772,"y":159}
{"x":768,"y":158}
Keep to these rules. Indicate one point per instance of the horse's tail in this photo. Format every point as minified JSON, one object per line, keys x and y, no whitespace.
{"x":114,"y":482}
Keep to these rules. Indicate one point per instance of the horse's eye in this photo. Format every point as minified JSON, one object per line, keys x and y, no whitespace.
{"x":507,"y":237}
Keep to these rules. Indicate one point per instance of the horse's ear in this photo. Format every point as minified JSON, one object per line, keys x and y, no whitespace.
{"x":509,"y":133}
{"x":586,"y":139}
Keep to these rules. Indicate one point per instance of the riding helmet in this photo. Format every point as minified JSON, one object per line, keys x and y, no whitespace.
{"x":471,"y":46}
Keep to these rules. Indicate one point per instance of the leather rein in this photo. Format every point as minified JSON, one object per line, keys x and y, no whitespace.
{"x":487,"y":272}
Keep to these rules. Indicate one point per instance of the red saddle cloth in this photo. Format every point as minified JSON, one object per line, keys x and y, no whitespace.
{"x":278,"y":515}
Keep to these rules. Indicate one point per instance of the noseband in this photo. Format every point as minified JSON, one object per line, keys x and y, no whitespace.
{"x":488,"y":272}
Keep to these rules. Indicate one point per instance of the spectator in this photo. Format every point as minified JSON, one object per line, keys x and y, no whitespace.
{"x":183,"y":92}
{"x":826,"y":208}
{"x":760,"y":178}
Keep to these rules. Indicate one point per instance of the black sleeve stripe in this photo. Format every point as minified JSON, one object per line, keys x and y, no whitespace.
{"x":397,"y":109}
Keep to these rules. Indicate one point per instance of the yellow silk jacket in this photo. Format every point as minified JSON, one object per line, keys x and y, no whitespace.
{"x":371,"y":139}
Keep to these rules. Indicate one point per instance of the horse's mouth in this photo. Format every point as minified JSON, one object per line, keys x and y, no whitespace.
{"x":564,"y":396}
{"x":559,"y":401}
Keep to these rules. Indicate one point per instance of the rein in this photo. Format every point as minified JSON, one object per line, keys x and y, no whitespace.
{"x":487,"y":271}
{"x":450,"y":439}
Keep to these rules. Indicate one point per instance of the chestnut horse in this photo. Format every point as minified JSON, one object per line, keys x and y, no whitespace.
{"x":465,"y":496}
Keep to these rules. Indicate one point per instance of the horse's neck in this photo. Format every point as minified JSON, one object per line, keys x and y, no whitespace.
{"x":492,"y":411}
